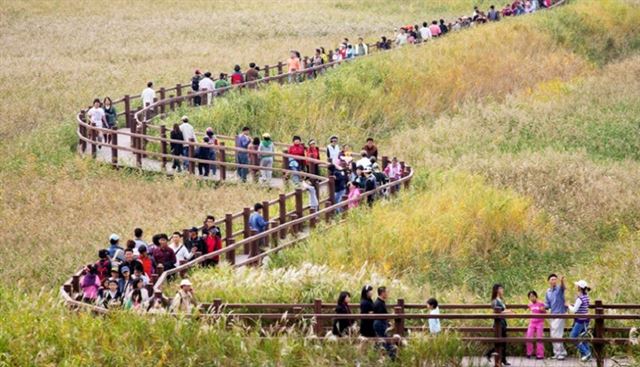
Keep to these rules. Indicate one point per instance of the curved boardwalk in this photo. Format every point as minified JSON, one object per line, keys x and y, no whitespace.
{"x":290,"y":220}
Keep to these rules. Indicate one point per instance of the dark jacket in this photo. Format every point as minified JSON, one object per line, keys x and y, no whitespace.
{"x":340,"y":326}
{"x":165,"y":256}
{"x":197,"y":242}
{"x":203,"y":152}
{"x":366,"y":326}
{"x":341,"y":180}
{"x":176,"y":148}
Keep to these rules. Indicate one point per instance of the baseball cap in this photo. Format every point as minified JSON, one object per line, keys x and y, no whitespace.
{"x":184,"y":282}
{"x":114,"y":237}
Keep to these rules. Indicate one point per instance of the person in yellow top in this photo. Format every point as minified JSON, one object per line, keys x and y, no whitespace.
{"x":294,"y":64}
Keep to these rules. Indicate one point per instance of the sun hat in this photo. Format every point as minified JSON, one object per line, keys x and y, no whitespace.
{"x":185,"y":118}
{"x":114,"y":268}
{"x":184,"y":282}
{"x":582,"y":284}
{"x":266,"y":136}
{"x":114,"y":237}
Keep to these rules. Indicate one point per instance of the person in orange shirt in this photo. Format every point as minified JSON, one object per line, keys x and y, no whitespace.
{"x":294,"y":65}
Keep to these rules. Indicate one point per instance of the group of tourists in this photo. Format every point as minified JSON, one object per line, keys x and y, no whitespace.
{"x":556,"y":303}
{"x":122,"y":275}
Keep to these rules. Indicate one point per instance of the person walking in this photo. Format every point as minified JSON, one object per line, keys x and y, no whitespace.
{"x":204,"y":153}
{"x":188,"y":135}
{"x":434,"y":324}
{"x":148,"y":96}
{"x":252,"y":75}
{"x":97,"y":118}
{"x":265,"y":152}
{"x":237,"y":77}
{"x":333,"y":149}
{"x":213,"y":142}
{"x":206,"y":84}
{"x":354,"y":195}
{"x":256,"y":220}
{"x":366,"y":307}
{"x":242,"y":141}
{"x":176,"y":147}
{"x":499,"y":307}
{"x":111,"y":116}
{"x":195,"y":86}
{"x":312,"y":152}
{"x":580,"y":324}
{"x":184,"y":301}
{"x":554,"y":301}
{"x":341,"y":326}
{"x":380,"y":326}
{"x":294,"y":66}
{"x":536,"y":326}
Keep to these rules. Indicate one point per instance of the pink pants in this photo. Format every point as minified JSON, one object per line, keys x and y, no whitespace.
{"x":535,"y":330}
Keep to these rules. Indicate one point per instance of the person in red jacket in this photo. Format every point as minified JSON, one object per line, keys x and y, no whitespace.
{"x":313,"y":152}
{"x":210,"y":243}
{"x":298,"y":149}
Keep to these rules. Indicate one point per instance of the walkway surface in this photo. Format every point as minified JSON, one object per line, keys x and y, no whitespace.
{"x":128,"y":159}
{"x":525,"y":362}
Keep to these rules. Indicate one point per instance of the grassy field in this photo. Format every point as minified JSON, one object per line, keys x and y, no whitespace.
{"x":524,"y":135}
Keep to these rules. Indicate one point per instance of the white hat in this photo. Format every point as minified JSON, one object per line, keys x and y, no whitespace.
{"x":582,"y":284}
{"x":184,"y":282}
{"x":185,"y":118}
{"x":114,"y":237}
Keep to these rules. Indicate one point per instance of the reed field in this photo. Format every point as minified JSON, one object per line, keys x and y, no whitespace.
{"x":524,"y":136}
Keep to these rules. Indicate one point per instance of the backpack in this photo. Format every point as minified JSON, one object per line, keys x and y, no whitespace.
{"x":195,"y":83}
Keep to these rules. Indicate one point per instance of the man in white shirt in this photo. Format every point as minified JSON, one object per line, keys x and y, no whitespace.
{"x":364,"y":162}
{"x":188,"y":133}
{"x":148,"y":94}
{"x":207,"y":84}
{"x":425,"y":32}
{"x":333,"y":149}
{"x":97,"y":117}
{"x":401,"y":38}
{"x":361,"y":48}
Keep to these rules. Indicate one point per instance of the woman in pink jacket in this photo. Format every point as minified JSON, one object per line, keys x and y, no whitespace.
{"x":90,"y":285}
{"x":354,"y":195}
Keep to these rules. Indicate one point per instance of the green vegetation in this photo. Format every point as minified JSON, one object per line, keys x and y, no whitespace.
{"x":524,"y":135}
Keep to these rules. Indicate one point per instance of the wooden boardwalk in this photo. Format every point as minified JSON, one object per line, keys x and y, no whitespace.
{"x":128,"y":159}
{"x":525,"y":362}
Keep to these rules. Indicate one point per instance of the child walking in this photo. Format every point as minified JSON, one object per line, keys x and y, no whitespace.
{"x":536,"y":326}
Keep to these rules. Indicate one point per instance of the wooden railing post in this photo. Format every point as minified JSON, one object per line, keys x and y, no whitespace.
{"x":192,"y":151}
{"x":299,"y":208}
{"x":267,"y":217}
{"x":162,"y":97}
{"x":599,"y":333}
{"x":94,"y":138}
{"x":231,"y":254}
{"x":83,"y":132}
{"x":138,"y":146}
{"x":179,"y":93}
{"x":246,"y":214}
{"x":228,"y":227}
{"x":317,"y":309}
{"x":285,"y":160}
{"x":163,"y":143}
{"x":142,"y":142}
{"x":114,"y":148}
{"x":385,"y":162}
{"x":399,"y":322}
{"x":222,"y":158}
{"x":75,"y":283}
{"x":217,"y":305}
{"x":127,"y":111}
{"x":313,"y":220}
{"x":406,"y":172}
{"x":280,"y":80}
{"x":331,"y":184}
{"x":282,"y":206}
{"x":266,"y":71}
{"x":172,"y":104}
{"x":254,"y":247}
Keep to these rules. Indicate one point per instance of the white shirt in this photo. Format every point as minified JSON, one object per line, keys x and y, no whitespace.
{"x":434,"y":324}
{"x":425,"y":33}
{"x":206,"y":84}
{"x":148,"y":94}
{"x":96,"y":115}
{"x":187,"y":132}
{"x":182,"y":254}
{"x":401,"y":39}
{"x":364,"y":162}
{"x":334,"y":152}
